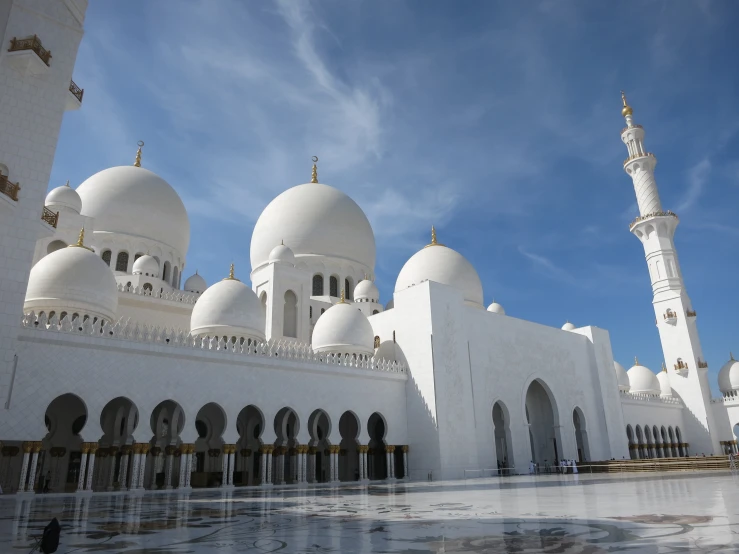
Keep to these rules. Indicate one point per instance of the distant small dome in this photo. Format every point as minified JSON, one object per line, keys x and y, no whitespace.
{"x":728,"y":376}
{"x":366,"y":290}
{"x":64,"y":197}
{"x":229,"y":309}
{"x":621,"y":377}
{"x":387,"y":351}
{"x":664,"y":384}
{"x":72,"y":280}
{"x":568,"y":326}
{"x":390,"y":305}
{"x":343,"y":329}
{"x":282,"y":254}
{"x":195,"y":283}
{"x":146,"y":265}
{"x":441,"y":264}
{"x":643,"y":381}
{"x":496,"y":308}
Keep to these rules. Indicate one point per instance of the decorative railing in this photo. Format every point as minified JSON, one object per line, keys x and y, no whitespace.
{"x":650,"y":398}
{"x":174,"y":296}
{"x":729,"y":396}
{"x":77,"y":91}
{"x":635,"y":156}
{"x":691,"y":313}
{"x":668,"y":213}
{"x":52,"y":218}
{"x":669,"y":314}
{"x":30,"y":43}
{"x":9,"y":189}
{"x":681,"y":365}
{"x":702,"y":364}
{"x":631,"y":127}
{"x":288,"y":350}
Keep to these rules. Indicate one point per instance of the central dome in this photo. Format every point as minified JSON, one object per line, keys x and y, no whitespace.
{"x":315,"y":220}
{"x":134,"y":201}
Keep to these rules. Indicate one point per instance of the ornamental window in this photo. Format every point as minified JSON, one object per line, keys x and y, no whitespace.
{"x":121,"y":262}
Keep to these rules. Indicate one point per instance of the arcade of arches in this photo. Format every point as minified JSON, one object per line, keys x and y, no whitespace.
{"x":62,"y":462}
{"x":653,"y":442}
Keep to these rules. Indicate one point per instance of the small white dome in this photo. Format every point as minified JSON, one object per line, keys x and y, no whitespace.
{"x":728,"y":376}
{"x":496,"y":308}
{"x":64,"y":197}
{"x":443,"y":265}
{"x":366,"y":290}
{"x":621,"y":377}
{"x":568,"y":326}
{"x":343,"y":329}
{"x":72,"y":280}
{"x":643,"y":381}
{"x":664,"y":384}
{"x":132,"y":200}
{"x":195,"y":283}
{"x":146,"y":265}
{"x":387,"y":351}
{"x":230,"y":309}
{"x":390,"y":305}
{"x":282,"y":254}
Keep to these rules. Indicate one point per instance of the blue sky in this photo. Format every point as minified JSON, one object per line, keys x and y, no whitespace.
{"x":498,"y":122}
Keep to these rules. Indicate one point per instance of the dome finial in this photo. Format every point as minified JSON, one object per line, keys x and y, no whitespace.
{"x":137,"y":163}
{"x":67,"y":183}
{"x":314,"y":172}
{"x":626,"y":109}
{"x":342,"y":300}
{"x":636,"y":361}
{"x":81,"y":241}
{"x":731,"y":354}
{"x":231,"y":276}
{"x":664,"y":367}
{"x":434,"y":242}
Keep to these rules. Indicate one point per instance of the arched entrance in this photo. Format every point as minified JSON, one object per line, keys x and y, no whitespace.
{"x":502,"y":435}
{"x":65,"y":418}
{"x":249,"y":424}
{"x":349,"y":453}
{"x":210,"y":422}
{"x":319,"y":428}
{"x":167,"y":422}
{"x":581,"y":435}
{"x":632,"y":443}
{"x":376,"y":457}
{"x":285,"y":456}
{"x":118,"y":420}
{"x":543,"y":425}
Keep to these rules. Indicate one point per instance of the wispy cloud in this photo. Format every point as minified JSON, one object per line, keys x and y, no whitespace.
{"x":697,"y":179}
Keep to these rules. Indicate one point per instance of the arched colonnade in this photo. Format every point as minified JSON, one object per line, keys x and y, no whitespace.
{"x":650,"y":441}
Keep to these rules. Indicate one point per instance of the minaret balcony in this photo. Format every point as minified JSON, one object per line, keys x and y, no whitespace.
{"x":28,"y":56}
{"x":52,"y":218}
{"x":637,"y":156}
{"x":9,"y":189}
{"x":702,"y":364}
{"x":644,"y":217}
{"x":691,"y":313}
{"x":670,"y":317}
{"x":681,"y":366}
{"x":631,"y":127}
{"x":74,"y":98}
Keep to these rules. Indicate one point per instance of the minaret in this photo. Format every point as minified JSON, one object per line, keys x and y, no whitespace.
{"x":676,"y":319}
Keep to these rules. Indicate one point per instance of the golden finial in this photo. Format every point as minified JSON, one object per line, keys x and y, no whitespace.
{"x":137,"y":163}
{"x":342,"y":300}
{"x":314,"y":172}
{"x":636,"y":362}
{"x":67,"y":183}
{"x":626,"y":109}
{"x":282,"y":242}
{"x":81,"y":241}
{"x":433,"y":238}
{"x":664,"y":367}
{"x":231,"y":276}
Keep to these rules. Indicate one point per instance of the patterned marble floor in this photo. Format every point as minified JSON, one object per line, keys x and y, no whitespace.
{"x":689,"y":512}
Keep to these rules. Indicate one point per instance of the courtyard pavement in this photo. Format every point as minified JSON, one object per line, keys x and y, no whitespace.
{"x":648,"y":512}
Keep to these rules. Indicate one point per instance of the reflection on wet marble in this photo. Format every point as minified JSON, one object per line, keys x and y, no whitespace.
{"x":686,"y":512}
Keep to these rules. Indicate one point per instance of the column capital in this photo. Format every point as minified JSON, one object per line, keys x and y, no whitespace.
{"x":390,"y":448}
{"x":126,"y":449}
{"x":312,"y":450}
{"x":113,"y":450}
{"x":170,"y":450}
{"x":145,"y":447}
{"x":94,"y":447}
{"x":405,"y":448}
{"x":27,"y":447}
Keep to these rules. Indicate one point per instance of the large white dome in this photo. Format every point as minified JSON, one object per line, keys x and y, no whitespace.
{"x":72,"y":280}
{"x":643,"y":381}
{"x":135,"y":201}
{"x":315,"y":220}
{"x":728,"y":376}
{"x":343,"y":329}
{"x":621,"y":377}
{"x":64,"y":197}
{"x":230,"y":309}
{"x":443,"y":265}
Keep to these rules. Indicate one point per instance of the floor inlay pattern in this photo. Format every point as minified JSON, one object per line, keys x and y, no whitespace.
{"x":690,"y":512}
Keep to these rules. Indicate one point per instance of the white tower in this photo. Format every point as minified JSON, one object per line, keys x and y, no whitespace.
{"x":37,"y":56}
{"x":676,"y":319}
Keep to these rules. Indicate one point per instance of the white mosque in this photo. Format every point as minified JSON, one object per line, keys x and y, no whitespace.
{"x":117,"y":373}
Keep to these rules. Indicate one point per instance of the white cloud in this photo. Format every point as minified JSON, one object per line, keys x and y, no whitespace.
{"x":697,"y":179}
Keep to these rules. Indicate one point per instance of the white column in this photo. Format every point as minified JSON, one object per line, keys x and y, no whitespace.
{"x":32,"y":470}
{"x":134,"y":476}
{"x":263,"y":466}
{"x":305,"y":464}
{"x":312,"y":465}
{"x":362,"y":471}
{"x":90,"y":469}
{"x":24,"y":472}
{"x":231,"y":460}
{"x":405,"y":463}
{"x":168,"y":461}
{"x":182,"y":466}
{"x":387,"y":463}
{"x":269,"y":466}
{"x":122,"y":479}
{"x":111,"y":470}
{"x":336,"y":464}
{"x":188,"y":467}
{"x":142,"y":466}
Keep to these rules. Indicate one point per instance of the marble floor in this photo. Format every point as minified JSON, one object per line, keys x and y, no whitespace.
{"x":680,"y":512}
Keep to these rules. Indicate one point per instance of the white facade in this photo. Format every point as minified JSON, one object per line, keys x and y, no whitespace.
{"x":114,"y":378}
